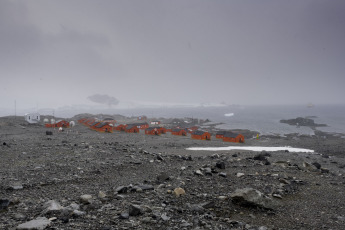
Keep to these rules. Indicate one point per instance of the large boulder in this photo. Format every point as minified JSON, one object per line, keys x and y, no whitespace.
{"x":251,"y":197}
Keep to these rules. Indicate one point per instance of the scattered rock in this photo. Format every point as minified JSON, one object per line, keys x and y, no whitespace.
{"x":52,"y":207}
{"x":179,"y":191}
{"x":86,"y":199}
{"x":240,"y":174}
{"x":135,"y":210}
{"x":198,"y":172}
{"x":39,"y":223}
{"x":124,"y":215}
{"x":251,"y":197}
{"x":222,"y":174}
{"x":317,"y":165}
{"x":163,"y":177}
{"x":121,"y":189}
{"x":220,"y":164}
{"x":4,"y":203}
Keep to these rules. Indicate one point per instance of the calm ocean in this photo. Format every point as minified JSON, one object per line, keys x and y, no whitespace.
{"x":264,"y":119}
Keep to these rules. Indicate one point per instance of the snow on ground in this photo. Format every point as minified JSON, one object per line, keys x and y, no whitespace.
{"x":252,"y":148}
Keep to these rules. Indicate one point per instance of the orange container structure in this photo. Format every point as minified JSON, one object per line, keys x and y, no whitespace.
{"x":233,"y":137}
{"x":201,"y":135}
{"x":179,"y":132}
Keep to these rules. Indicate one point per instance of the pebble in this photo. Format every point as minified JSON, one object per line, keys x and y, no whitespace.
{"x":179,"y":191}
{"x":86,"y":199}
{"x":198,"y":172}
{"x":222,"y":174}
{"x":240,"y":174}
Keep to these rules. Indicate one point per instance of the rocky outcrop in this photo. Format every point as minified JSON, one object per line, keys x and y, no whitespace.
{"x":301,"y":121}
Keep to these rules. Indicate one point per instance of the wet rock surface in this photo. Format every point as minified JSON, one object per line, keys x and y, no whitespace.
{"x":82,"y":179}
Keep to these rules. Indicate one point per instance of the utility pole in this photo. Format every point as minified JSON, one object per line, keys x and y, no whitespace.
{"x":15,"y":109}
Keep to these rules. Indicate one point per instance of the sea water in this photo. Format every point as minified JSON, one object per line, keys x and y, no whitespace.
{"x":264,"y":119}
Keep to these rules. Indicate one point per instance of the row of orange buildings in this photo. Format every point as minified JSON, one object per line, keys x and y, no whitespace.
{"x":58,"y":124}
{"x":109,"y":126}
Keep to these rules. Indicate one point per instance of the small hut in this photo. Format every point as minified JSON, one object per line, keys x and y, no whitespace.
{"x":32,"y":118}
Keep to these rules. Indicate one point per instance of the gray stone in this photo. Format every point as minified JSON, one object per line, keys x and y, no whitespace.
{"x":251,"y":197}
{"x":86,"y":199}
{"x":220,"y":165}
{"x":196,"y":208}
{"x":163,"y":177}
{"x":317,"y":165}
{"x":135,"y":210}
{"x":78,"y":213}
{"x":52,"y":206}
{"x":146,"y":187}
{"x":121,"y":189}
{"x":198,"y":172}
{"x":39,"y":223}
{"x":208,"y":171}
{"x":4,"y":203}
{"x":124,"y":215}
{"x":222,"y":174}
{"x":165,"y":217}
{"x":240,"y":174}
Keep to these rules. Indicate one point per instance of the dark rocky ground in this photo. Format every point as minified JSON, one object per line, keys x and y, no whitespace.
{"x":82,"y":179}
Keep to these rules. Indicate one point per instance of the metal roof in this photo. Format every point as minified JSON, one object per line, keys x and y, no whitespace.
{"x":101,"y":125}
{"x":230,"y":134}
{"x":198,"y":132}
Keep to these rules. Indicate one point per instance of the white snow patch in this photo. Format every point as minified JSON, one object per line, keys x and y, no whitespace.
{"x":229,"y":114}
{"x":252,"y":148}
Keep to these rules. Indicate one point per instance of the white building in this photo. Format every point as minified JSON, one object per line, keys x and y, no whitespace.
{"x":32,"y":118}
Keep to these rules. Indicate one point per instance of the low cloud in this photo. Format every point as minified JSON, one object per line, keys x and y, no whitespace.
{"x":103,"y":99}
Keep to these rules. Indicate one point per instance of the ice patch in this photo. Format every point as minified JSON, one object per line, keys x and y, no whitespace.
{"x":252,"y":148}
{"x":229,"y":114}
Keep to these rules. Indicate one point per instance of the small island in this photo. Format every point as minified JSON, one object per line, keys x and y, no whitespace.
{"x":303,"y":121}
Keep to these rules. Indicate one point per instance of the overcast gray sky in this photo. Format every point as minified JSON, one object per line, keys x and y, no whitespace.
{"x":59,"y":52}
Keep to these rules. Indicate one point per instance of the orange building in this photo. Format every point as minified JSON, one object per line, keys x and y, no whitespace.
{"x":201,"y":135}
{"x":104,"y":127}
{"x":132,"y":129}
{"x":58,"y":124}
{"x":220,"y":134}
{"x":179,"y":132}
{"x":233,"y":137}
{"x":120,"y":127}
